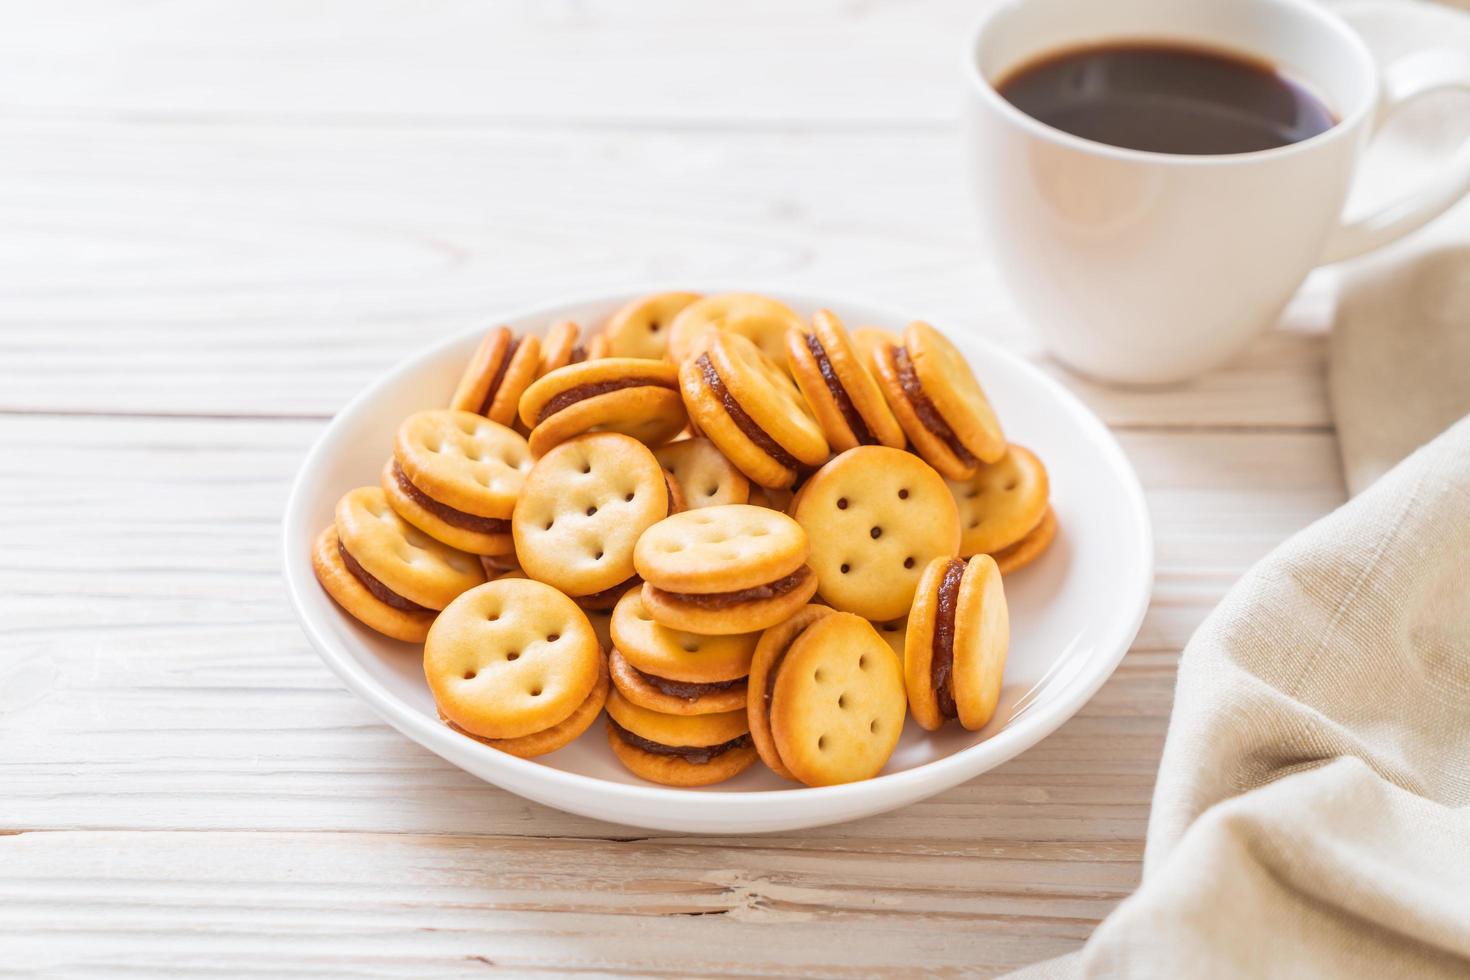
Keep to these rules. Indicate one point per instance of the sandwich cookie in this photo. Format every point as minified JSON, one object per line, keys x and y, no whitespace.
{"x":759,"y":319}
{"x":723,"y":570}
{"x":838,"y":387}
{"x":501,"y":368}
{"x":581,"y":511}
{"x":678,"y":750}
{"x":1002,"y":503}
{"x":832,"y":699}
{"x":455,"y":476}
{"x":561,"y":346}
{"x":750,"y":409}
{"x":703,"y":474}
{"x":384,"y":571}
{"x":955,"y":651}
{"x":641,"y":329}
{"x":1029,"y":548}
{"x":874,"y":517}
{"x":515,"y":662}
{"x":672,"y":671}
{"x":937,"y":400}
{"x":634,"y":396}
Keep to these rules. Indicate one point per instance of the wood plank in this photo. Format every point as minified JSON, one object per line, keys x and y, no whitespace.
{"x":153,"y":676}
{"x":268,"y":271}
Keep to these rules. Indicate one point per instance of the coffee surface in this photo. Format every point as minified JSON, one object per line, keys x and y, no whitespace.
{"x":1167,"y":98}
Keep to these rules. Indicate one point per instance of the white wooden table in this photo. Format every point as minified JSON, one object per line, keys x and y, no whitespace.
{"x":218,"y":220}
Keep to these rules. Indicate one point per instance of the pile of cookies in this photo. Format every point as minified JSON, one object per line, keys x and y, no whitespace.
{"x":742,"y":535}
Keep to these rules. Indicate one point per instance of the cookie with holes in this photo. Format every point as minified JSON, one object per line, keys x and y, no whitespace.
{"x":759,"y":319}
{"x":385,"y":572}
{"x":558,"y":736}
{"x":582,"y":509}
{"x":937,"y":400}
{"x":456,"y":476}
{"x":955,"y":648}
{"x":1002,"y":502}
{"x":641,"y":328}
{"x":833,"y":700}
{"x":515,"y":658}
{"x":672,"y":671}
{"x":498,"y":372}
{"x":635,"y":396}
{"x":678,"y":750}
{"x":874,"y":517}
{"x":751,"y":410}
{"x":1029,"y":548}
{"x":838,"y":387}
{"x":702,"y":473}
{"x":723,"y":570}
{"x":770,"y":649}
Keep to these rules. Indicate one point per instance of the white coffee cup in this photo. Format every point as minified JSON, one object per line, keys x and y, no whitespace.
{"x":1146,"y":268}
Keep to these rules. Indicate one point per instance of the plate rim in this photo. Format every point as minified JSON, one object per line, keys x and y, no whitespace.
{"x":901,"y":787}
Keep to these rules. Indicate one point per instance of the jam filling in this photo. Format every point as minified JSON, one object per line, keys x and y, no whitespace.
{"x":380,"y":591}
{"x":924,"y":408}
{"x":743,"y":422}
{"x":499,"y":375}
{"x":592,"y":389}
{"x":850,"y":414}
{"x":721,"y":600}
{"x":697,"y":754}
{"x":686,"y":690}
{"x":446,"y":513}
{"x":941,"y":656}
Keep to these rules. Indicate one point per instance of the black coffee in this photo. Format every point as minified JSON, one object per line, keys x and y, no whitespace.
{"x":1167,"y":98}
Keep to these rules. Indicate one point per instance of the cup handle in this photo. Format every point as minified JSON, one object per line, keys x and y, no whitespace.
{"x":1407,"y":79}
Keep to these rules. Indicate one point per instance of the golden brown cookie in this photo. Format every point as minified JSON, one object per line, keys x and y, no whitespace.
{"x":933,"y":392}
{"x":1001,"y":503}
{"x":557,"y":736}
{"x":674,"y":697}
{"x":1029,"y":548}
{"x":769,"y":651}
{"x":893,"y":632}
{"x":501,"y":368}
{"x":678,"y":750}
{"x":673,"y":671}
{"x":393,"y":615}
{"x":560,"y":347}
{"x":955,"y":651}
{"x":722,"y":570}
{"x":759,"y":319}
{"x":751,"y":410}
{"x":838,"y":387}
{"x":634,"y":396}
{"x":455,"y":476}
{"x":511,"y":658}
{"x":641,"y":328}
{"x":702,"y":472}
{"x":383,"y":550}
{"x":867,"y":341}
{"x":874,"y":517}
{"x":836,"y":704}
{"x":582,"y":509}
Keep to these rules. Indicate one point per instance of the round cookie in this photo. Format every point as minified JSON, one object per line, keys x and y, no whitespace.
{"x":769,"y":651}
{"x":678,"y":750}
{"x":760,"y":319}
{"x":838,"y":388}
{"x":498,"y":372}
{"x":722,"y":570}
{"x":455,"y":476}
{"x":673,"y":697}
{"x":634,"y":396}
{"x":874,"y":517}
{"x":702,"y":472}
{"x":559,"y":348}
{"x":557,"y":736}
{"x":511,"y":658}
{"x":695,"y":658}
{"x":958,"y":635}
{"x":751,"y":410}
{"x":641,"y":328}
{"x":378,"y":546}
{"x":1001,"y":503}
{"x":392,"y":616}
{"x":1029,"y":548}
{"x":582,"y":509}
{"x":837,"y":704}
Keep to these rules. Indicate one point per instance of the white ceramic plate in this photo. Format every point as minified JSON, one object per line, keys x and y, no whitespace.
{"x":1073,"y":612}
